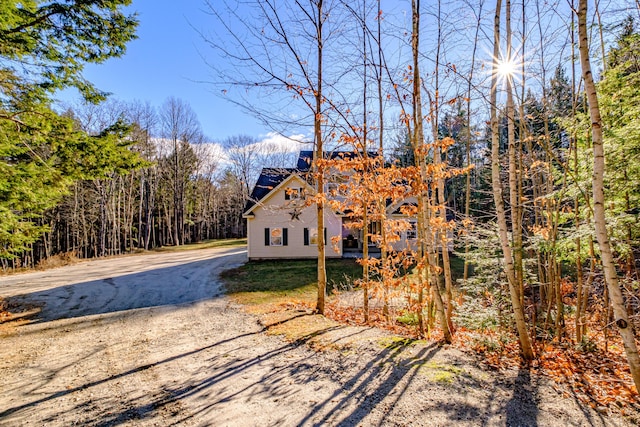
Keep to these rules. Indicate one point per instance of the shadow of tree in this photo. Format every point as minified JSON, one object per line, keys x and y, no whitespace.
{"x":522,"y":408}
{"x":179,"y":284}
{"x":61,"y":393}
{"x":230,"y":370}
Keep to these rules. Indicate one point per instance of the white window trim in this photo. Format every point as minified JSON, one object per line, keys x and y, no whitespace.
{"x":271,"y":236}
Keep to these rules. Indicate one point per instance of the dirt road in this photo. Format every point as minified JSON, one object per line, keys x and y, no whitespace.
{"x":149,"y":340}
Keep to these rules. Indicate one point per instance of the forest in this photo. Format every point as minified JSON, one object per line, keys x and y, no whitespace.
{"x":514,"y":125}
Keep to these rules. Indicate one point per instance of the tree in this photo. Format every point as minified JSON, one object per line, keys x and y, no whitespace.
{"x":53,"y":41}
{"x":619,"y":108}
{"x":180,"y":126}
{"x":507,"y":253}
{"x":426,"y":231}
{"x":608,"y":263}
{"x":44,"y":47}
{"x":144,"y":119}
{"x":32,"y":174}
{"x":282,"y":53}
{"x":243,"y":152}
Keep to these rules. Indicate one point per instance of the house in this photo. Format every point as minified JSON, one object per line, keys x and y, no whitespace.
{"x":282,"y":224}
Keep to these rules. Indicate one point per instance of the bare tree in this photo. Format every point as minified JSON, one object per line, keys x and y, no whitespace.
{"x":608,"y":263}
{"x":507,"y":253}
{"x":281,"y":52}
{"x":144,"y":118}
{"x":244,"y":152}
{"x":427,"y":245}
{"x":180,"y":126}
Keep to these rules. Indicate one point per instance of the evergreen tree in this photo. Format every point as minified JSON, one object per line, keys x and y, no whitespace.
{"x":620,"y":106}
{"x":44,"y":47}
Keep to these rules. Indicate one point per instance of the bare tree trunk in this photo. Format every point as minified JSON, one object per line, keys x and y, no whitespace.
{"x":514,"y":287}
{"x":319,"y":167}
{"x":514,"y":170}
{"x":418,"y":143}
{"x":367,"y":170}
{"x":467,"y":197}
{"x":440,"y":200}
{"x":102,"y":236}
{"x":608,"y":264}
{"x":381,"y":199}
{"x":176,"y":194}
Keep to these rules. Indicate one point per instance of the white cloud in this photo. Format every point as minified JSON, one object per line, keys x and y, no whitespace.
{"x":276,"y":143}
{"x":211,"y":155}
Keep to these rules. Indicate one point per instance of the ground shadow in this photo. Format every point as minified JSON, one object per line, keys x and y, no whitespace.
{"x":175,"y":285}
{"x":522,"y":408}
{"x":70,"y":390}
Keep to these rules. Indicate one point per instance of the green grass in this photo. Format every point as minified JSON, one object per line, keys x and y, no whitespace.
{"x":408,"y":318}
{"x":259,"y":282}
{"x":218,"y":243}
{"x":441,"y":373}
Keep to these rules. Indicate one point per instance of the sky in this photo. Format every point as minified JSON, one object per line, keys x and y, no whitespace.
{"x":167,"y":60}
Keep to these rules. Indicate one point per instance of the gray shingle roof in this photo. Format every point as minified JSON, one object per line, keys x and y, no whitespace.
{"x":269,"y":179}
{"x":272,"y":177}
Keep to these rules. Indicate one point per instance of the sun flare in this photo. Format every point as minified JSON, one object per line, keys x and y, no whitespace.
{"x":507,"y":68}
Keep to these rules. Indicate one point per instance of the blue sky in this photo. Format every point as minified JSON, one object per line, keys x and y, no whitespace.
{"x":166,"y":61}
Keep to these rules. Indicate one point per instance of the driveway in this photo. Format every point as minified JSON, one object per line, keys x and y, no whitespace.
{"x":150,"y":340}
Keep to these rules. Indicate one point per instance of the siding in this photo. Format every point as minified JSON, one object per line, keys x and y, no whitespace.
{"x":275,"y":213}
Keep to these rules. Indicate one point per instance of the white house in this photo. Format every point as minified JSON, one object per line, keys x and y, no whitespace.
{"x":280,"y":224}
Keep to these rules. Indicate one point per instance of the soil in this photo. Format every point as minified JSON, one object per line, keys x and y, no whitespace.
{"x":151,"y":340}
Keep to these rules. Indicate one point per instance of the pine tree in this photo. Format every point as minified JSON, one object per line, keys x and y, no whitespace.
{"x":44,"y":47}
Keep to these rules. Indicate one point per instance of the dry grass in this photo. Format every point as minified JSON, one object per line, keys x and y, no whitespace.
{"x":283,"y":294}
{"x":203,"y":245}
{"x":59,"y":260}
{"x":69,"y":258}
{"x":55,"y":261}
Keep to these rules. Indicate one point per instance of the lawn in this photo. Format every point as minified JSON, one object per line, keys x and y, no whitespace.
{"x":286,"y":281}
{"x":280,"y":282}
{"x":206,"y":244}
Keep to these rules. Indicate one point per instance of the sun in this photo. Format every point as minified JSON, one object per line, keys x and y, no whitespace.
{"x":507,"y":68}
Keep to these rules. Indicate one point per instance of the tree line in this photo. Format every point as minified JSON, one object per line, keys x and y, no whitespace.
{"x":161,"y":183}
{"x":103,"y":177}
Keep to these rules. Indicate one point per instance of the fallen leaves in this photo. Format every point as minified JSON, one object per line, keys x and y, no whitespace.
{"x":597,"y":378}
{"x":600,"y":379}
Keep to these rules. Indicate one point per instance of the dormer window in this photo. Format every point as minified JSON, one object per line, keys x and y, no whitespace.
{"x":412,"y":232}
{"x":293,"y":193}
{"x":337,"y":186}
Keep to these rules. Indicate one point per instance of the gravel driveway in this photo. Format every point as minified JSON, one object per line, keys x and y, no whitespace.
{"x":150,"y":340}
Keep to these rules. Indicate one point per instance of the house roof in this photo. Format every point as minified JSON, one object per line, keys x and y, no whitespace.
{"x":304,"y":160}
{"x":269,"y":179}
{"x":398,"y":209}
{"x":306,"y":157}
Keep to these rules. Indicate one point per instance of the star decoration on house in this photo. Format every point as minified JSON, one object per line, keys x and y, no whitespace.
{"x":295,"y":214}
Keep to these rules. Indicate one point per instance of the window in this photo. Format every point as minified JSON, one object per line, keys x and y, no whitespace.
{"x":292,"y":193}
{"x":412,"y":233}
{"x":275,"y":236}
{"x":375,"y":233}
{"x":311,"y":236}
{"x":337,"y":188}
